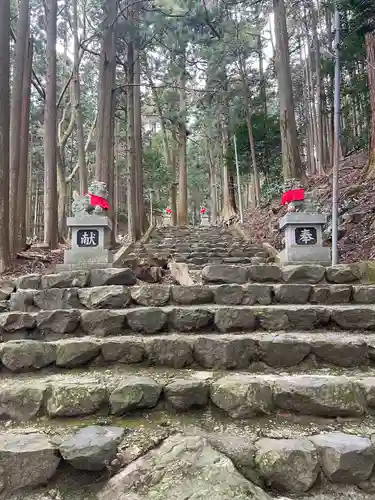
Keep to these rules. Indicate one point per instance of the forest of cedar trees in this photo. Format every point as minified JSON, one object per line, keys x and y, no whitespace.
{"x":148,"y":96}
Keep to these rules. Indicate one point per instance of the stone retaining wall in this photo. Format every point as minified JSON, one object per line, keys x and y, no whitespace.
{"x":150,"y":320}
{"x":237,"y":395}
{"x":119,"y":297}
{"x":222,"y":352}
{"x":220,"y":273}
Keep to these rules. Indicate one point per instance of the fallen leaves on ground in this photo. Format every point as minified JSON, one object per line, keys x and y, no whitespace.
{"x":29,"y":263}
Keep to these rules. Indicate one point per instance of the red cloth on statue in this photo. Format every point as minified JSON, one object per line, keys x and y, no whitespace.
{"x":292,"y":195}
{"x":98,"y":200}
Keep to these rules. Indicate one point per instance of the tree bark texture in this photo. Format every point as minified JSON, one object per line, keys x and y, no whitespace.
{"x":140,"y":205}
{"x":133,"y":229}
{"x":50,"y":132}
{"x":182,"y":210}
{"x":107,"y":73}
{"x":292,"y":167}
{"x":25,"y":140}
{"x":76,"y":97}
{"x":15,"y":122}
{"x":370,"y":50}
{"x":4,"y":132}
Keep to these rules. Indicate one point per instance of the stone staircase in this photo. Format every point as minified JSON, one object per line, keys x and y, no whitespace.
{"x":198,"y":247}
{"x":270,"y":367}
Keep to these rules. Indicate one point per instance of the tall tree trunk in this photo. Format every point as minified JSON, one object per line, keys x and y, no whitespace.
{"x":313,"y":109}
{"x":213,"y":193}
{"x":174,"y":183}
{"x":25,"y":140}
{"x":370,"y":49}
{"x":29,"y":192}
{"x":63,"y":196}
{"x":182,"y":210}
{"x":169,"y":156}
{"x":250,"y":132}
{"x":140,"y":206}
{"x":111,"y":171}
{"x":15,"y":122}
{"x":318,"y":94}
{"x":292,"y":167}
{"x":330,"y":86}
{"x":107,"y":75}
{"x":36,"y":208}
{"x":76,"y":99}
{"x":263,"y":84}
{"x":4,"y":132}
{"x":50,"y":131}
{"x":133,"y":229}
{"x":228,"y":207}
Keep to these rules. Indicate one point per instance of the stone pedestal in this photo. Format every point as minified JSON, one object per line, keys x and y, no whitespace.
{"x":159,"y":221}
{"x":167,"y":220}
{"x":90,"y":241}
{"x":304,"y":239}
{"x":205,"y":220}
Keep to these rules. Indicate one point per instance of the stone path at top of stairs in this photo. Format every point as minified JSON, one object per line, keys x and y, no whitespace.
{"x":274,"y":367}
{"x":200,"y":246}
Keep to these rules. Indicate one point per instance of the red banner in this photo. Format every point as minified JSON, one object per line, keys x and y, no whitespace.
{"x":293,"y":195}
{"x":98,"y":200}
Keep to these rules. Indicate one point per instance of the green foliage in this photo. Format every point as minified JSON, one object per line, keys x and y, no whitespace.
{"x":271,"y":190}
{"x":266,"y":132}
{"x":156,"y":175}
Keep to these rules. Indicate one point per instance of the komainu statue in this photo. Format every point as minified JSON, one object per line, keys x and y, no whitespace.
{"x":94,"y":202}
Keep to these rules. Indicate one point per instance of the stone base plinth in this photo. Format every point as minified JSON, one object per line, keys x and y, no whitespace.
{"x":90,"y":242}
{"x":205,"y":221}
{"x":80,"y":267}
{"x":305,"y":255}
{"x":304,"y":239}
{"x":88,"y":256}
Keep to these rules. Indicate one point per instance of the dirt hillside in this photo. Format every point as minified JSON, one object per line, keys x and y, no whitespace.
{"x":356,"y":210}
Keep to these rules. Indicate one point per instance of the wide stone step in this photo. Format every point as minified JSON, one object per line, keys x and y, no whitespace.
{"x":212,"y":274}
{"x":64,"y":457}
{"x":204,"y":260}
{"x":268,"y":353}
{"x":59,"y":323}
{"x":118,"y":296}
{"x":240,"y":395}
{"x":272,"y":273}
{"x":154,"y":295}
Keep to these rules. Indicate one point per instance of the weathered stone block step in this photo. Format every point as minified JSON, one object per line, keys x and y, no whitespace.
{"x":239,"y":395}
{"x":323,"y":459}
{"x":204,"y":260}
{"x":267,"y":273}
{"x":213,"y":255}
{"x":203,"y":246}
{"x":191,"y":319}
{"x":268,"y":353}
{"x":117,"y":296}
{"x":65,"y":279}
